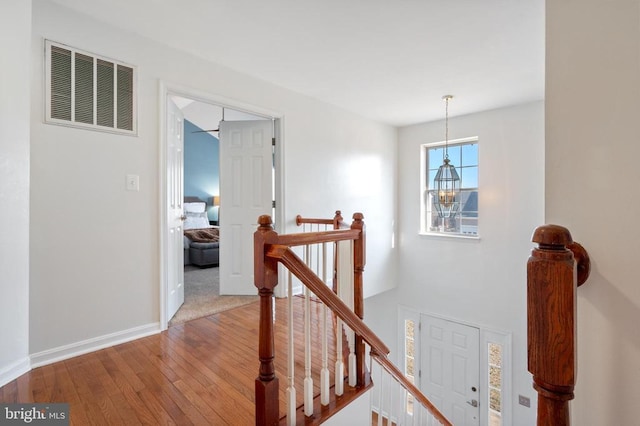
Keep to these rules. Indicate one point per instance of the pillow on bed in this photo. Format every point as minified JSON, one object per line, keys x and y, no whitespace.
{"x":198,"y":207}
{"x":196,"y":220}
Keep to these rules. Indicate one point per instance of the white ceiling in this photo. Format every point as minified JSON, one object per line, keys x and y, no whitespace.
{"x":388,"y":60}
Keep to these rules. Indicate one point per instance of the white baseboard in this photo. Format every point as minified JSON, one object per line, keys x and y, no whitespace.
{"x":90,"y":345}
{"x":15,"y":370}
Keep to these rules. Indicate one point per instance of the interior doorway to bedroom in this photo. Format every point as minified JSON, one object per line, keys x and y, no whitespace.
{"x":201,"y":184}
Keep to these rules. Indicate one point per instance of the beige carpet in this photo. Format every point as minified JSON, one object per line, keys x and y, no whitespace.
{"x":202,"y":295}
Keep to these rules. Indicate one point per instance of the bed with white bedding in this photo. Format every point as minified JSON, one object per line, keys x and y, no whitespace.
{"x":201,"y":240}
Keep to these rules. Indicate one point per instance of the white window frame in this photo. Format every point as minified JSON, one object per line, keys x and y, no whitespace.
{"x":424,"y":188}
{"x":406,"y":314}
{"x":506,"y":407}
{"x":93,"y":126}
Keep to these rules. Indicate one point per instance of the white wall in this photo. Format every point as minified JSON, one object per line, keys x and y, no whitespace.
{"x":15,"y":37}
{"x":592,"y":128}
{"x":95,"y":247}
{"x":358,"y":412}
{"x":480,"y":282}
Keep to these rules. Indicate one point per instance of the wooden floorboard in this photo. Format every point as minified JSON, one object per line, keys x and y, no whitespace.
{"x":201,"y":372}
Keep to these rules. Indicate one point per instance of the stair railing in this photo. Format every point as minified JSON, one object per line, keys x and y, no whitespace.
{"x":271,"y":249}
{"x":399,"y":401}
{"x":554,"y":271}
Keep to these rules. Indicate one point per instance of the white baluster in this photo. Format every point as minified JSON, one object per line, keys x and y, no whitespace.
{"x":402,"y":418}
{"x":353,"y":377}
{"x":416,"y":414}
{"x":339,"y":370}
{"x":411,"y":416}
{"x":406,"y":412}
{"x":339,"y":373}
{"x":371,"y":399}
{"x":324,"y":373}
{"x":380,"y":394}
{"x":390,"y":409}
{"x":308,"y":380}
{"x":291,"y":389}
{"x":345,"y":292}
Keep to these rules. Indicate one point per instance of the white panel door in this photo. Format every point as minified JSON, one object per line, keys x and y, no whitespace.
{"x":450,"y":367}
{"x":246,"y":192}
{"x":175,"y":174}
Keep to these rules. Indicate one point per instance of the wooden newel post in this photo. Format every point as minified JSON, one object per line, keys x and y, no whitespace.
{"x":552,"y":282}
{"x":359,"y":260}
{"x":337,"y":219}
{"x":266,"y":278}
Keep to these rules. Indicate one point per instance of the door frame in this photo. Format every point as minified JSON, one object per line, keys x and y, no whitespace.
{"x":487,"y":335}
{"x":167,"y":89}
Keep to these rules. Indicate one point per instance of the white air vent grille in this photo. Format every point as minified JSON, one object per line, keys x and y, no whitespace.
{"x":89,"y":91}
{"x":60,"y":83}
{"x":105,"y":104}
{"x":125,"y":97}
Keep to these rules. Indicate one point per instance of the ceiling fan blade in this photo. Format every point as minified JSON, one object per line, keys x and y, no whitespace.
{"x":206,"y":131}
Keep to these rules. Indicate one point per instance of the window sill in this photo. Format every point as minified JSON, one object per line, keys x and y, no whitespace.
{"x":449,"y":236}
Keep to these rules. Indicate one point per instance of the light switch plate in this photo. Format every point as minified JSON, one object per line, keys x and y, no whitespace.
{"x":133,"y":183}
{"x":523,"y":400}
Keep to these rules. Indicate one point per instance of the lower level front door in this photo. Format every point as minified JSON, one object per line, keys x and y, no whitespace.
{"x":450,"y":365}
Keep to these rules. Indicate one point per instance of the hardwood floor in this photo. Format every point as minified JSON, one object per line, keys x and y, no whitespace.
{"x":201,"y":372}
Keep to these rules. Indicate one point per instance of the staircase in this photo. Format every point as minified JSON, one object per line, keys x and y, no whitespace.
{"x":325,"y":265}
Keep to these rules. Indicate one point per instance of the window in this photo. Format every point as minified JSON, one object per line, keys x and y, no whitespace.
{"x":409,"y":358}
{"x":409,"y":361}
{"x":89,"y":91}
{"x":496,"y":373}
{"x":463,"y":154}
{"x":495,"y":384}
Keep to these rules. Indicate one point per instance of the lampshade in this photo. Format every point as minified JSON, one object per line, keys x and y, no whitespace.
{"x":447,"y":190}
{"x":215,"y":200}
{"x":446,"y":194}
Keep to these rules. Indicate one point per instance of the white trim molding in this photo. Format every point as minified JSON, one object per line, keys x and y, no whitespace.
{"x":14,"y":370}
{"x":167,"y":88}
{"x":90,"y":345}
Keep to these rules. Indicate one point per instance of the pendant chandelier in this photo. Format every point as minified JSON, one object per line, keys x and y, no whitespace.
{"x":446,"y":197}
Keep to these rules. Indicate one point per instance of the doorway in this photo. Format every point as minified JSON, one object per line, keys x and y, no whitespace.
{"x":204,"y":114}
{"x":447,"y":359}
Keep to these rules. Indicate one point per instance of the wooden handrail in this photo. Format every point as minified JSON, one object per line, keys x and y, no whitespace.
{"x":304,"y":238}
{"x":337,"y":221}
{"x":395,"y":372}
{"x":300,"y":220}
{"x":298,"y":268}
{"x":552,"y":281}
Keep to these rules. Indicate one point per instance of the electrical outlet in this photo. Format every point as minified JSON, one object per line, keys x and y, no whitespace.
{"x":523,"y":400}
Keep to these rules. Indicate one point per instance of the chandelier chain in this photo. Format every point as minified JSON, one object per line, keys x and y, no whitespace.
{"x":446,"y":99}
{"x":446,"y":127}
